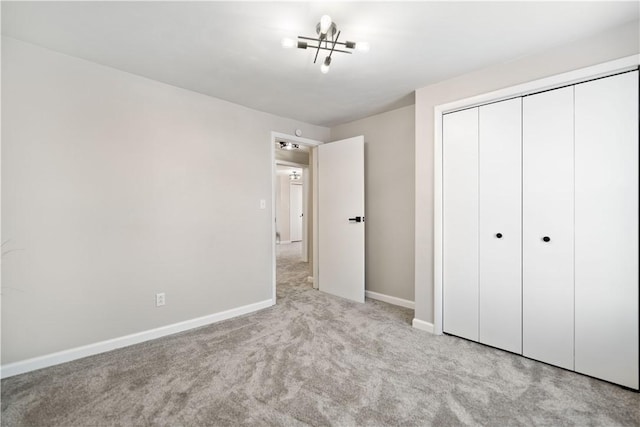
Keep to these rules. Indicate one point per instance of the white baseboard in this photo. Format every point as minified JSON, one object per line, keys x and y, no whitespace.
{"x":391,"y":300}
{"x":64,"y":356}
{"x":423,"y":326}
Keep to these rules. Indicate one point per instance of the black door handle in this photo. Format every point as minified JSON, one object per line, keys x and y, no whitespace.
{"x":499,"y":235}
{"x":357,"y":219}
{"x":546,"y":239}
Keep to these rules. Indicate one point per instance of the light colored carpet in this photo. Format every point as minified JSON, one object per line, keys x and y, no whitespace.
{"x":312,"y":359}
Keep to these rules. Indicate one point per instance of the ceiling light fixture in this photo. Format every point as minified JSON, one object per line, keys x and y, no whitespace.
{"x":325,"y":65}
{"x":288,"y":146}
{"x":327,"y":39}
{"x":288,"y":43}
{"x":325,"y":24}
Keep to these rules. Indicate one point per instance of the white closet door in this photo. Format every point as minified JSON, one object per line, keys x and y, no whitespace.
{"x":500,"y":279}
{"x":607,"y":229}
{"x":460,"y":213}
{"x":547,"y":266}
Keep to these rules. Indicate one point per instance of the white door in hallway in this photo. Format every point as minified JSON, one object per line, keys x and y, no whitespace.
{"x":341,"y":218}
{"x":295,"y":212}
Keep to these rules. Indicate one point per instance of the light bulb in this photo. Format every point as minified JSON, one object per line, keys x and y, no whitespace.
{"x":288,"y":43}
{"x":325,"y":24}
{"x":325,"y":65}
{"x":363,"y":46}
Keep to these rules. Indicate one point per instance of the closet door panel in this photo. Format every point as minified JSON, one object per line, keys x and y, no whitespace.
{"x":460,"y":205}
{"x":548,"y":283}
{"x":500,"y":205}
{"x":606,"y":229}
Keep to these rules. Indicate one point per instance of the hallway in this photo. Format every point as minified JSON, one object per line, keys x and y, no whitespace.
{"x":291,"y":271}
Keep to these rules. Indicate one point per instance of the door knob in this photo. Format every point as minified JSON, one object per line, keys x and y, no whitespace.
{"x":499,"y":235}
{"x":546,"y":239}
{"x":357,"y":219}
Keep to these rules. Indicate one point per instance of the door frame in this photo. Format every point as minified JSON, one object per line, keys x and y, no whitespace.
{"x":305,"y":207}
{"x":553,"y":82}
{"x":311,"y":143}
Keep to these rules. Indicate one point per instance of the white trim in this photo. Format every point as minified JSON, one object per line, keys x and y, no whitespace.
{"x":571,"y":77}
{"x":285,"y":242}
{"x":389,"y":299}
{"x":437,"y":224}
{"x":423,"y":326}
{"x":305,"y":214}
{"x":273,"y":216}
{"x":314,"y":226}
{"x":298,"y":140}
{"x":64,"y":356}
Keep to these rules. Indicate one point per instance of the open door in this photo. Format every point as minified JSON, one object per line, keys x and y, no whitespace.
{"x":341,"y":218}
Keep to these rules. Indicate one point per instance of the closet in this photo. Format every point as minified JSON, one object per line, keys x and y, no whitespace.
{"x":540,"y":226}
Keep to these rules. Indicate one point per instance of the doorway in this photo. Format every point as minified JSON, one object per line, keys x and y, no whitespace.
{"x":333,"y":230}
{"x":290,"y":208}
{"x":293,"y":212}
{"x":292,"y":267}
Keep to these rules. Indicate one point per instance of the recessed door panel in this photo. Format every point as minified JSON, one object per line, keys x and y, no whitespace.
{"x":500,"y":204}
{"x":460,"y":213}
{"x":606,"y":330}
{"x":548,"y":294}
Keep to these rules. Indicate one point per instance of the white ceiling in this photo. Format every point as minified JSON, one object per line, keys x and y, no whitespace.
{"x":232,"y":51}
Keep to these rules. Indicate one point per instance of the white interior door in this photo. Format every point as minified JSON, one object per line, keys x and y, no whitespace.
{"x":341,"y":218}
{"x":547,"y":227}
{"x":500,"y":243}
{"x":607,"y":229}
{"x":295,"y":212}
{"x":460,"y":213}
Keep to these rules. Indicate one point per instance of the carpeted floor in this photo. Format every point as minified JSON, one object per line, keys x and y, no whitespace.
{"x":312,"y":359}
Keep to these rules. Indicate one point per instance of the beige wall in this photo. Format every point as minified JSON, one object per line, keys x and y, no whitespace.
{"x":617,"y":43}
{"x":389,"y":196}
{"x":116,"y":187}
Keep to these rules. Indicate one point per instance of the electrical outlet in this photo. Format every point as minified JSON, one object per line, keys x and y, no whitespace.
{"x":263,"y":204}
{"x":160,"y":299}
